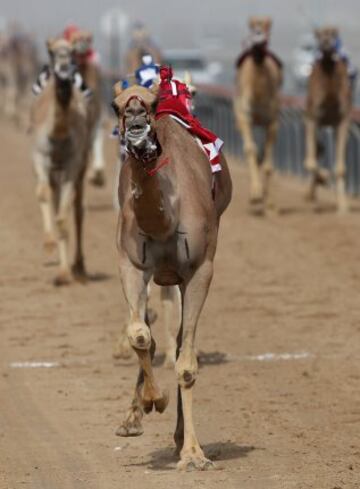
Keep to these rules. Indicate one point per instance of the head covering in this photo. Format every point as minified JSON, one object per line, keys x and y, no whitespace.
{"x":69,"y":31}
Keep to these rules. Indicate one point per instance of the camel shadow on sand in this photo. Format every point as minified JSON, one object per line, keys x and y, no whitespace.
{"x":166,"y":458}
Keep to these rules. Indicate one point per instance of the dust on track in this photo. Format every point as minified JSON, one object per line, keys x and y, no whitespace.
{"x":285,"y":284}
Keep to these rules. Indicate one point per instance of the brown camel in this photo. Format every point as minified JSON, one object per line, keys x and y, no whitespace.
{"x":82,"y":43}
{"x":168,"y":230}
{"x":329,"y":102}
{"x":141,"y":44}
{"x":60,"y":153}
{"x":257,"y":103}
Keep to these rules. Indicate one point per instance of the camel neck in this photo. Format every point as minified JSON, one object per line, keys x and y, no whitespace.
{"x":63,"y":95}
{"x":154,"y":212}
{"x":328,"y":63}
{"x":258,"y":52}
{"x":63,"y":90}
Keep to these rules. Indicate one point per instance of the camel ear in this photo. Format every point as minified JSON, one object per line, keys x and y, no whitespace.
{"x":187,"y":78}
{"x":251,"y":22}
{"x":317,"y":32}
{"x":49,"y":44}
{"x":268,"y":23}
{"x":117,"y":89}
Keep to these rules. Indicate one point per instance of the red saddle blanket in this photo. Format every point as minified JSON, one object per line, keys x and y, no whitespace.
{"x":175,"y":100}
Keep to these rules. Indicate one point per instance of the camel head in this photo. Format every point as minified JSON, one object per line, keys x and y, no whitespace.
{"x":260,"y":28}
{"x":135,"y":109}
{"x":61,"y":58}
{"x":81,"y":42}
{"x":327,"y":39}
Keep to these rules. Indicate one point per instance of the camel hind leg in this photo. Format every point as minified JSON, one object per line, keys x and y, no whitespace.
{"x":66,"y":196}
{"x":268,"y":165}
{"x":44,"y":196}
{"x":251,"y":157}
{"x":340,"y":166}
{"x":194,"y":294}
{"x":78,"y":267}
{"x":97,"y":172}
{"x":170,"y":300}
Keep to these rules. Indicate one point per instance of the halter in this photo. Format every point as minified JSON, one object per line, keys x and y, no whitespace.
{"x":145,"y":157}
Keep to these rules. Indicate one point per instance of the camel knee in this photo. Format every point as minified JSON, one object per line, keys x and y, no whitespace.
{"x":250,"y":151}
{"x":340,"y":170}
{"x":43,"y":192}
{"x":62,"y":227}
{"x":186,"y":369}
{"x":310,"y":164}
{"x":139,"y":336}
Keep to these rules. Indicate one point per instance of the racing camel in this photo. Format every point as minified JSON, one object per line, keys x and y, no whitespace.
{"x":88,"y":66}
{"x":141,"y":45}
{"x":329,"y":103}
{"x":257,"y":103}
{"x":168,"y":228}
{"x":59,"y":129}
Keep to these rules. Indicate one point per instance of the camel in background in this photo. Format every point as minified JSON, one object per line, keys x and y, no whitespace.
{"x":329,"y":102}
{"x":141,"y":44}
{"x":168,"y":230}
{"x":88,"y":66}
{"x":18,"y":65}
{"x":60,"y":153}
{"x":257,"y":103}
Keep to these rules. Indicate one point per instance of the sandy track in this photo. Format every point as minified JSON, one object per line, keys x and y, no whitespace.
{"x":285,"y":284}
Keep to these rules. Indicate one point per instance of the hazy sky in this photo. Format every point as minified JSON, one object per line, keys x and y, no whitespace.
{"x":186,"y":23}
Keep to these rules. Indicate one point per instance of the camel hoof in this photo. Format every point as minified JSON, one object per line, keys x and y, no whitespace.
{"x":97,"y":178}
{"x":79,"y":273}
{"x":130,"y":429}
{"x":188,"y":464}
{"x":322,"y":176}
{"x":160,"y":403}
{"x":63,"y":278}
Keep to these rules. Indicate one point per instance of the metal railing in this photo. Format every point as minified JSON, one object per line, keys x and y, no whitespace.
{"x":215,"y":110}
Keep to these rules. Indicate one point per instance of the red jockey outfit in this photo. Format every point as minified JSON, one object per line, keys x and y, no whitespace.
{"x":91,"y":56}
{"x":175,"y":100}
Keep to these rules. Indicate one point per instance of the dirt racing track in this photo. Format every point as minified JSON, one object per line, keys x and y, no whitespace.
{"x":277,"y":403}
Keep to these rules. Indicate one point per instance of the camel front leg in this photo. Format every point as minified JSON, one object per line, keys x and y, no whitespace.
{"x":317,"y":176}
{"x":97,"y":172}
{"x":43,"y":193}
{"x":268,"y":165}
{"x":170,"y":300}
{"x":78,"y":268}
{"x":340,"y":166}
{"x":135,"y":283}
{"x":194,"y":295}
{"x":66,"y":197}
{"x":251,"y":157}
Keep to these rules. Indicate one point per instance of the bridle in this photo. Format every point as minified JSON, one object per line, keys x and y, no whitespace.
{"x":152,"y":150}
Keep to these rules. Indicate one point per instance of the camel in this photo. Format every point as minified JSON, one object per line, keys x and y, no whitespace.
{"x":18,"y":67}
{"x":60,"y":153}
{"x":257,"y":103}
{"x":141,"y":44}
{"x":329,"y":102}
{"x":89,"y":69}
{"x":168,"y":228}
